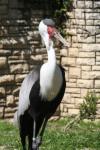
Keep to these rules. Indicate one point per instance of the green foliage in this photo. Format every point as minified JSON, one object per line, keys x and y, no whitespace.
{"x":61,"y":7}
{"x":88,"y":107}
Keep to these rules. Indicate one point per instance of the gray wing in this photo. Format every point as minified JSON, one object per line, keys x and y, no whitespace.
{"x":25,"y":89}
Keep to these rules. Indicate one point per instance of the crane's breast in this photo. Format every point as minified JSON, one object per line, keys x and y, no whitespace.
{"x":50,"y":82}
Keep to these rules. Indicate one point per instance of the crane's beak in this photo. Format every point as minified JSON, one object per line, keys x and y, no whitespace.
{"x":59,"y":37}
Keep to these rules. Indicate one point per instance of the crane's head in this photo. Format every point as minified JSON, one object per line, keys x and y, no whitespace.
{"x":48,"y":30}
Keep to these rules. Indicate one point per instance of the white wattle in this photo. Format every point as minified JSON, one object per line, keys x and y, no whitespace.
{"x":50,"y":77}
{"x":50,"y":83}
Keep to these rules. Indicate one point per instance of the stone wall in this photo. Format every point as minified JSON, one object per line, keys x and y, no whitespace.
{"x":82,"y":59}
{"x":20,"y":51}
{"x":20,"y":48}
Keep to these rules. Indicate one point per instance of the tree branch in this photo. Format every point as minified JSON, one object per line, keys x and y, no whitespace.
{"x":88,"y":33}
{"x":72,"y":122}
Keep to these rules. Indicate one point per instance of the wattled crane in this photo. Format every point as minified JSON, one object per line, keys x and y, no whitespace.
{"x":41,"y":91}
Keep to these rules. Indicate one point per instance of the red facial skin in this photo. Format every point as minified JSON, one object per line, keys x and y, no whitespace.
{"x":51,"y":31}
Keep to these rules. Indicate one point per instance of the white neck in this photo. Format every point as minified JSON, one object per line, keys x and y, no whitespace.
{"x":51,"y":54}
{"x":49,"y":80}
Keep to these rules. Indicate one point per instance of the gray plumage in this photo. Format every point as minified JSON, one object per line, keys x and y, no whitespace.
{"x":49,"y":22}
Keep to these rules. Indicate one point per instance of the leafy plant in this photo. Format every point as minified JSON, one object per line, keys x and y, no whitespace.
{"x":61,"y":7}
{"x":88,"y":107}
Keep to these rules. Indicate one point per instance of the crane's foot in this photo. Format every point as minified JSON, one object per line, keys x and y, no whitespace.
{"x":36,"y":143}
{"x":39,"y":140}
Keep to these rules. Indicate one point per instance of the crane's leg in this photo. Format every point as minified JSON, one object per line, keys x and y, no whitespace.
{"x":35,"y":145}
{"x":30,"y":142}
{"x":39,"y":138}
{"x":23,"y":141}
{"x":43,"y":127}
{"x":22,"y":132}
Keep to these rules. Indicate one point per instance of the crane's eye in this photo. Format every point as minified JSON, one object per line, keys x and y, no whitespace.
{"x":51,"y":31}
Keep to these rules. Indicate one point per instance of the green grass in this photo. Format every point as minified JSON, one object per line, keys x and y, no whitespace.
{"x":81,"y":135}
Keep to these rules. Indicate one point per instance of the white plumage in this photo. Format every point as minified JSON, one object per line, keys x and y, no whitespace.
{"x":50,"y":81}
